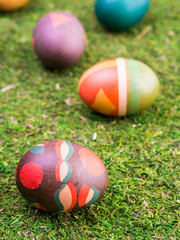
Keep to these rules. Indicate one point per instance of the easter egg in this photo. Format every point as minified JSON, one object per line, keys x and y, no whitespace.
{"x":119,"y":87}
{"x":121,"y":14}
{"x":59,"y":39}
{"x":60,"y":176}
{"x":10,"y":5}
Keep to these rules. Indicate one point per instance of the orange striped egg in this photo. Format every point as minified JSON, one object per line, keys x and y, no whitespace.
{"x":119,"y":87}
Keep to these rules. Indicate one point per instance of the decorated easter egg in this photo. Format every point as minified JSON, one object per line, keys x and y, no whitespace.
{"x":10,"y":5}
{"x":60,"y":176}
{"x":119,"y":87}
{"x":121,"y":14}
{"x":59,"y":39}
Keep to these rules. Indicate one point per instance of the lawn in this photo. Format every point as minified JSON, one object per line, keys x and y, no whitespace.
{"x":140,"y":152}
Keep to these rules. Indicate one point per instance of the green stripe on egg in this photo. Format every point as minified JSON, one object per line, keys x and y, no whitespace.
{"x":143,"y":86}
{"x":133,"y":103}
{"x":56,"y":197}
{"x":71,"y":149}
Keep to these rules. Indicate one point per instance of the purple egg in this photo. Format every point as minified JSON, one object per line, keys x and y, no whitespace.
{"x":59,"y":39}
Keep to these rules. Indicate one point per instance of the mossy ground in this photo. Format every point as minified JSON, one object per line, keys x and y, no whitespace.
{"x":140,"y":152}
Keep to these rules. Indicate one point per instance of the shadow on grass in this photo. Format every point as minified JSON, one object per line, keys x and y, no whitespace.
{"x":147,"y":114}
{"x":82,"y":213}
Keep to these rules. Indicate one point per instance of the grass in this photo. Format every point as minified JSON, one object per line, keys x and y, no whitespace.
{"x":140,"y":152}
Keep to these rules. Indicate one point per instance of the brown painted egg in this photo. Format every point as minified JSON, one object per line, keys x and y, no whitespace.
{"x":119,"y":87}
{"x":11,"y":5}
{"x":61,"y":176}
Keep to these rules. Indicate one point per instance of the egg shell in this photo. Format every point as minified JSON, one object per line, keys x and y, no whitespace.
{"x":121,"y":14}
{"x":119,"y":87}
{"x":59,"y":39}
{"x":59,"y":176}
{"x":11,"y":5}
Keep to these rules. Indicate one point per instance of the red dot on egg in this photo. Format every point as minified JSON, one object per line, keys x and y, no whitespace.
{"x":31,"y":175}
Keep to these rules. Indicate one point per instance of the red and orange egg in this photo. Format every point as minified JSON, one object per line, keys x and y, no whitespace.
{"x":119,"y":87}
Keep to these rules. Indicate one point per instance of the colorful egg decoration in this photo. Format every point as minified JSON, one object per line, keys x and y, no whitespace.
{"x":60,"y":176}
{"x":59,"y":39}
{"x":11,"y":5}
{"x":121,"y":14}
{"x":119,"y":87}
